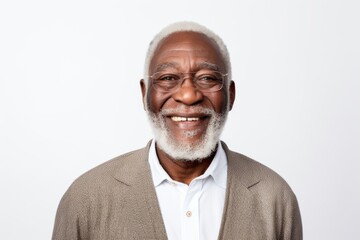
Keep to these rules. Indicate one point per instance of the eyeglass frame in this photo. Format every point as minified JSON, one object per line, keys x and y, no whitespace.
{"x":183,"y":78}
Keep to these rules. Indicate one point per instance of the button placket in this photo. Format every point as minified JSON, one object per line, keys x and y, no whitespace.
{"x":190,"y":219}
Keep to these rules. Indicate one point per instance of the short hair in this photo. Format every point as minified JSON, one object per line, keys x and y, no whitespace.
{"x":186,"y":26}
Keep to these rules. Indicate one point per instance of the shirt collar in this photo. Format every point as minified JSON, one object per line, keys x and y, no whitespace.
{"x":217,"y":169}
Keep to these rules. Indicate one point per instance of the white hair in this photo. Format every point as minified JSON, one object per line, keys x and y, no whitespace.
{"x":186,"y":26}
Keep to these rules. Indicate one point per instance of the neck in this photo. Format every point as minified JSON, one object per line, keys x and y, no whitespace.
{"x":182,"y":170}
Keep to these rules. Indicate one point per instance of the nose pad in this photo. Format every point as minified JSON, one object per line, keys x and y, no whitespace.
{"x":187,"y":81}
{"x":188,"y":93}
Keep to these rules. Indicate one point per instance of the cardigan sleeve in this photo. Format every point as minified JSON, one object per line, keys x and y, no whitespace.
{"x":70,"y":221}
{"x":292,"y":226}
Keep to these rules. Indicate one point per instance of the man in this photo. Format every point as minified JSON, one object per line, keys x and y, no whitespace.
{"x":185,"y":184}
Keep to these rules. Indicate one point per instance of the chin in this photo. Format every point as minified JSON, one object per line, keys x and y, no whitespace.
{"x":188,"y":148}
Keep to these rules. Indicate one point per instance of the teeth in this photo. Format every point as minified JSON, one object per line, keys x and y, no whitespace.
{"x":183,"y":119}
{"x":178,"y":119}
{"x":193,"y":119}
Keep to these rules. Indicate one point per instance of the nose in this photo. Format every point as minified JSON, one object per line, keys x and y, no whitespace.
{"x":188,"y":94}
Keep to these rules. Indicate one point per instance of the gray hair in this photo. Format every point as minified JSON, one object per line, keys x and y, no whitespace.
{"x":186,"y":26}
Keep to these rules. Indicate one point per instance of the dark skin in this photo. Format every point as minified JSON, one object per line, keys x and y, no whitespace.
{"x":187,"y":52}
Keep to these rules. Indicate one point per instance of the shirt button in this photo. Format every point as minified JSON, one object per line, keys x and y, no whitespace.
{"x":188,"y":213}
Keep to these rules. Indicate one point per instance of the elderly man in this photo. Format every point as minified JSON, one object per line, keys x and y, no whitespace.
{"x":186,"y":183}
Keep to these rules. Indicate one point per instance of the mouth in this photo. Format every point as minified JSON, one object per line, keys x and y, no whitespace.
{"x":185,"y":119}
{"x":188,"y":122}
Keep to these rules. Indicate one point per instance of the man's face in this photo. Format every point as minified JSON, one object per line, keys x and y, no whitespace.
{"x":186,"y":114}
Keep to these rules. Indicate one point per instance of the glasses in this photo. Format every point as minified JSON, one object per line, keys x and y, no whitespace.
{"x":205,"y":80}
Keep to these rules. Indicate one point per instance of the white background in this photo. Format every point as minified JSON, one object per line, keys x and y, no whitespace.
{"x":70,"y":98}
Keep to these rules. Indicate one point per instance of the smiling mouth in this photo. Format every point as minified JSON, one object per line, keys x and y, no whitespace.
{"x":184,"y":119}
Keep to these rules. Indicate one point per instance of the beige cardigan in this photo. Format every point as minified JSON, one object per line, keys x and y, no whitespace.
{"x":117,"y":200}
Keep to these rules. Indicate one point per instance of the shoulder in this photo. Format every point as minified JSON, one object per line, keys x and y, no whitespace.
{"x":271,"y":201}
{"x":119,"y":169}
{"x":256,"y":177}
{"x":89,"y":198}
{"x":100,"y":183}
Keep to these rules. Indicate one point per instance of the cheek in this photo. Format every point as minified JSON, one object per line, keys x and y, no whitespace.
{"x":218,"y":101}
{"x":156,"y":100}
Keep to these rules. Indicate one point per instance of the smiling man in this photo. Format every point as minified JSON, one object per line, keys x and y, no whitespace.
{"x":186,"y":183}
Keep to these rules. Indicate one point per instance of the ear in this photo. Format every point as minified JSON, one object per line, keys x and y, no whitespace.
{"x":232,"y":93}
{"x":143,"y":92}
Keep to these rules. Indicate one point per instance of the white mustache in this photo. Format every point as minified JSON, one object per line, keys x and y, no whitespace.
{"x":186,"y":109}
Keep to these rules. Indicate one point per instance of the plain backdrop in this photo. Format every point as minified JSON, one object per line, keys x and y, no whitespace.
{"x":70,"y":98}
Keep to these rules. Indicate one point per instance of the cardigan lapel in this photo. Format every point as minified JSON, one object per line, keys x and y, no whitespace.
{"x":143,"y":205}
{"x":241,"y":211}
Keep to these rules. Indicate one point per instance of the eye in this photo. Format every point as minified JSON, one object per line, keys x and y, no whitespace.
{"x":210,"y":78}
{"x":168,"y":77}
{"x":207,"y":77}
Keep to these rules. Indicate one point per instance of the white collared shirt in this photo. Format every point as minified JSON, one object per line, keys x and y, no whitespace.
{"x":191,"y":211}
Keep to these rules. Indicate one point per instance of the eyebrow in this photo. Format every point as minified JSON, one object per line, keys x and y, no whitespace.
{"x":207,"y":65}
{"x":166,"y":65}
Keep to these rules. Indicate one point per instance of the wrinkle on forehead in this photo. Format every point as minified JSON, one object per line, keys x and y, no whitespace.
{"x":197,"y":66}
{"x":187,"y":52}
{"x":184,"y":46}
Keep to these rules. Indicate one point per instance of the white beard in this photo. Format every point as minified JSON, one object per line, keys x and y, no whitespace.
{"x":181,"y":151}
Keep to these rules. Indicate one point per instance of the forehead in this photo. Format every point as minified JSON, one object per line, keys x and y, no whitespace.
{"x":187,"y":46}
